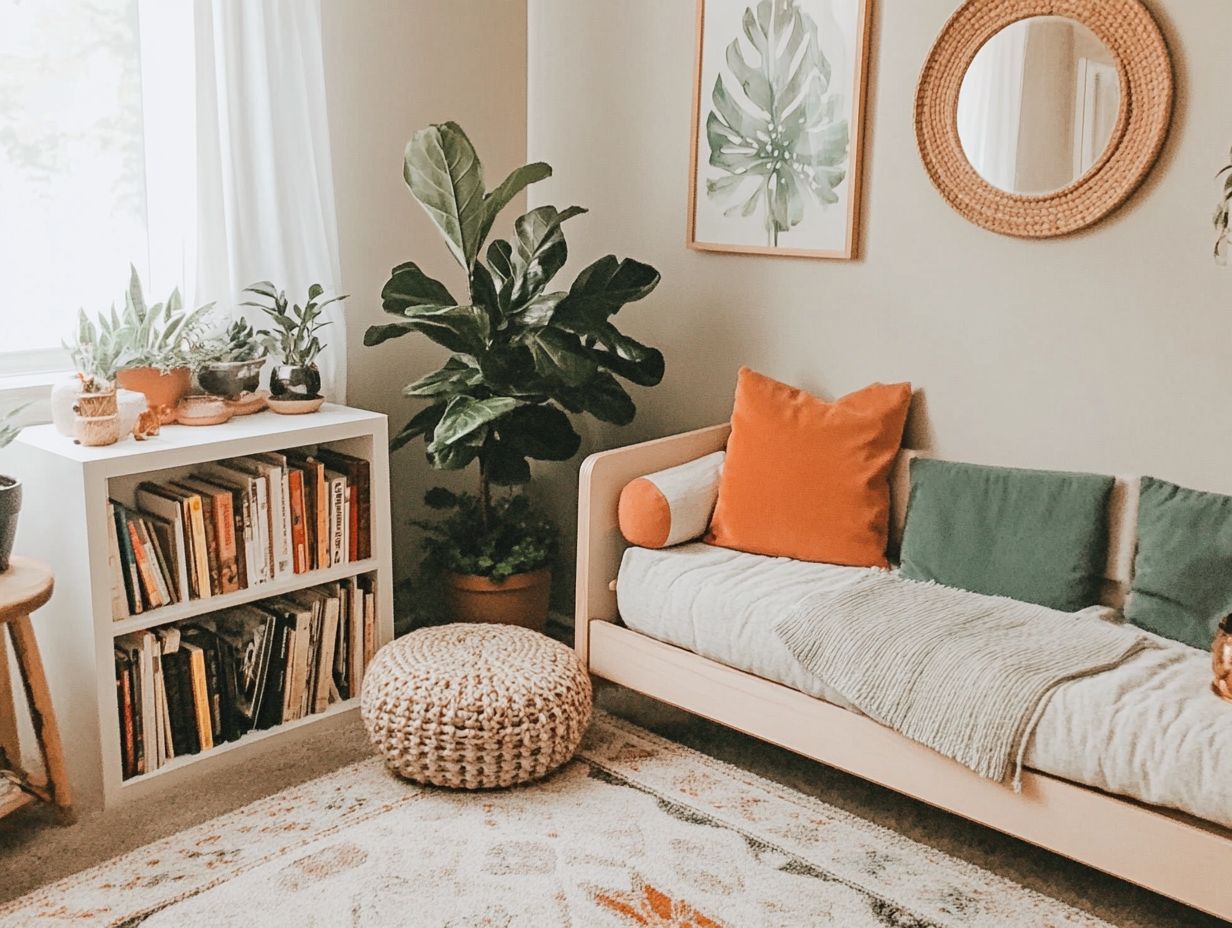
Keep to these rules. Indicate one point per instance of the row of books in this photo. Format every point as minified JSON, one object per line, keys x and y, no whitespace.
{"x":186,"y":687}
{"x":236,"y":523}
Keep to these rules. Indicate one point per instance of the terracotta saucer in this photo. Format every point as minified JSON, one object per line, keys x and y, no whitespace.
{"x":247,"y":403}
{"x":296,"y":407}
{"x":202,"y":410}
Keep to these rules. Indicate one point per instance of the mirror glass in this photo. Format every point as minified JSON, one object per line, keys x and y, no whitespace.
{"x":1038,"y":105}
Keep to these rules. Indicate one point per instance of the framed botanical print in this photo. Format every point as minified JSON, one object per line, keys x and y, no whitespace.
{"x":778,"y":112}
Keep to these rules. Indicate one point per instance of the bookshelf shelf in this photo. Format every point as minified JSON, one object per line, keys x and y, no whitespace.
{"x":168,"y":615}
{"x":247,"y":741}
{"x":65,"y":521}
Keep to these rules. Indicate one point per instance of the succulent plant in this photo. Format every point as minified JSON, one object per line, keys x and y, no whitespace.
{"x":240,"y":342}
{"x":96,"y":350}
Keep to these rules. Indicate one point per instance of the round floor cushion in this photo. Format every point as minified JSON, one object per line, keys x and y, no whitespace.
{"x":475,"y":706}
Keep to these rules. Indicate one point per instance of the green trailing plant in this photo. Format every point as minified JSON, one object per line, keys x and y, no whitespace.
{"x":781,"y":141}
{"x":522,"y":355}
{"x":163,"y":335}
{"x":517,"y":539}
{"x":97,"y":350}
{"x":294,"y":340}
{"x":240,"y":342}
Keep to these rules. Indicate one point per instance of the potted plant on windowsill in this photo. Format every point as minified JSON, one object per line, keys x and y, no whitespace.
{"x":233,"y":362}
{"x":10,"y":492}
{"x":295,"y":381}
{"x":87,"y":406}
{"x":522,"y":358}
{"x":160,"y":347}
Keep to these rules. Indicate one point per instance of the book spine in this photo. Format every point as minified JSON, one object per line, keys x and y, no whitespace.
{"x":211,"y":545}
{"x":365,"y":510}
{"x":337,"y":521}
{"x":152,"y":558}
{"x":124,"y":704}
{"x":200,"y":545}
{"x":299,"y":538}
{"x":239,"y":506}
{"x":119,"y":598}
{"x":213,"y":679}
{"x":201,"y":698}
{"x":369,"y":628}
{"x":148,"y":584}
{"x":224,"y":537}
{"x":185,"y":712}
{"x":132,"y":588}
{"x":322,"y":514}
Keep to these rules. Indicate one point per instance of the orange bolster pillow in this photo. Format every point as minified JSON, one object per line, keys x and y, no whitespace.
{"x":672,"y":506}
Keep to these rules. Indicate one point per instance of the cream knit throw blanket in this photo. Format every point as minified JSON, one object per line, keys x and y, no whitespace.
{"x":968,"y":675}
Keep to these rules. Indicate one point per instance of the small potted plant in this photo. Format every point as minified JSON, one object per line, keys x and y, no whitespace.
{"x":233,"y":362}
{"x":523,"y":357}
{"x":295,"y":381}
{"x":161,"y":345}
{"x":10,"y":491}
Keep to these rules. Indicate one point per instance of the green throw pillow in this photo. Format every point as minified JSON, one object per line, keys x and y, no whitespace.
{"x":1037,"y":536}
{"x":1183,"y":569}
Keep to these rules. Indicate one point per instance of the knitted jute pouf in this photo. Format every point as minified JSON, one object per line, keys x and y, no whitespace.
{"x":475,"y":706}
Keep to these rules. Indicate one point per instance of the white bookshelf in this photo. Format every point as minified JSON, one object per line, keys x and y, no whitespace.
{"x":64,"y":522}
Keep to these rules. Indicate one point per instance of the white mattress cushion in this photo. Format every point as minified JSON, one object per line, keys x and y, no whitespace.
{"x":1150,"y":729}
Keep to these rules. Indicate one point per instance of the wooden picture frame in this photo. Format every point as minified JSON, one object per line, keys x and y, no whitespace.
{"x":811,"y":209}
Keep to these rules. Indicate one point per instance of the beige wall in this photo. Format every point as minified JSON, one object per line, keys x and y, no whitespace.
{"x":1107,"y":351}
{"x":391,"y":68}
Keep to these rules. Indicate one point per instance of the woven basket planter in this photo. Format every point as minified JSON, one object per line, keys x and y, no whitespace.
{"x":475,"y":706}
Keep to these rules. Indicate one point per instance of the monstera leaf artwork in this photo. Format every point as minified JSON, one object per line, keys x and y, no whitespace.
{"x":777,"y":121}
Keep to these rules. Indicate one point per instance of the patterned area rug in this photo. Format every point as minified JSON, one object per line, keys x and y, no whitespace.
{"x":636,"y":831}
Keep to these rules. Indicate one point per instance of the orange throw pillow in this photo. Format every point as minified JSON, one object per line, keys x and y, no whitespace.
{"x":807,"y":479}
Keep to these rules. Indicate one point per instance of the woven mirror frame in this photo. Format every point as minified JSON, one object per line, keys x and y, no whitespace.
{"x":1145,"y":69}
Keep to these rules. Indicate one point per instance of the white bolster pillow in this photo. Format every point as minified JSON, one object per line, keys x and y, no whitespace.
{"x":671,"y":506}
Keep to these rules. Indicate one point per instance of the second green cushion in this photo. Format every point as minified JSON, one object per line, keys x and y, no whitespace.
{"x":1037,"y":536}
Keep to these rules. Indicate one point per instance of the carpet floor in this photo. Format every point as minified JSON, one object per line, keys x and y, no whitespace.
{"x":35,"y":851}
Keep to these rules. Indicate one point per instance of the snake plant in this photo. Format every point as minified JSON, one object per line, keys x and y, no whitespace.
{"x":97,"y":350}
{"x":522,"y":355}
{"x":779,"y":141}
{"x":164,"y":335}
{"x":9,"y":429}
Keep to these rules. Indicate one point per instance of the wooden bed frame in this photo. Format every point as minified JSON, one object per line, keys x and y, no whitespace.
{"x":1176,"y":855}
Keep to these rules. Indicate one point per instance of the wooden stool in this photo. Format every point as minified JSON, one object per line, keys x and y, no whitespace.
{"x":24,"y":587}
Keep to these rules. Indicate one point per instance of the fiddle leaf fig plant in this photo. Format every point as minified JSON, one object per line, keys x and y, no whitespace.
{"x":522,"y":354}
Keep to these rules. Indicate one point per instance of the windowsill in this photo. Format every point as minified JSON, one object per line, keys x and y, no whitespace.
{"x":33,"y":388}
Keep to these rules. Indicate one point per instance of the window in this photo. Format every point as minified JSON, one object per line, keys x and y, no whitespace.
{"x":72,"y":169}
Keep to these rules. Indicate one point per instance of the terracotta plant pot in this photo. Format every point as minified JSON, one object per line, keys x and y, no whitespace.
{"x":10,"y":506}
{"x":520,"y":600}
{"x":162,"y":390}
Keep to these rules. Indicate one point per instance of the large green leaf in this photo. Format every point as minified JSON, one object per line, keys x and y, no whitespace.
{"x":445,"y":176}
{"x":506,"y":190}
{"x":422,"y":423}
{"x":452,"y":457}
{"x":540,"y":249}
{"x":628,"y":358}
{"x":408,"y":287}
{"x":540,"y":432}
{"x":455,"y":376}
{"x":379,"y":334}
{"x":561,"y":356}
{"x":783,"y":138}
{"x":458,"y":328}
{"x":504,"y":465}
{"x":464,"y":415}
{"x":603,"y":397}
{"x":601,"y":290}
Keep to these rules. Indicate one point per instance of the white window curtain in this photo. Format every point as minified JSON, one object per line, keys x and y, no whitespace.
{"x":238,"y":168}
{"x":990,"y":107}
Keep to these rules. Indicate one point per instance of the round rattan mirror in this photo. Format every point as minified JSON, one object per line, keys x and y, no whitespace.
{"x":1037,"y":118}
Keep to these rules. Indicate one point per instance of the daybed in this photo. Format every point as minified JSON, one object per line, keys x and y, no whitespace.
{"x":688,"y":629}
